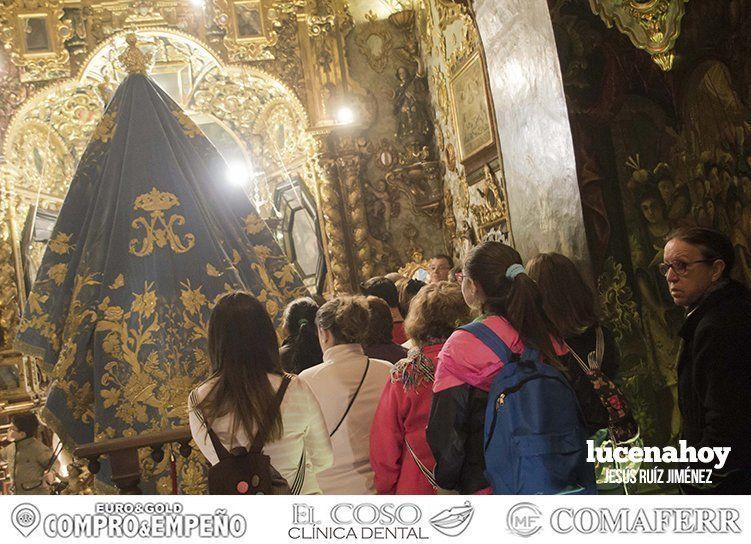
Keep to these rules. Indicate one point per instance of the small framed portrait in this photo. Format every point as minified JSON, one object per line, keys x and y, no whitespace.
{"x":472,"y":113}
{"x":35,"y":34}
{"x":248,"y":18}
{"x":12,"y":381}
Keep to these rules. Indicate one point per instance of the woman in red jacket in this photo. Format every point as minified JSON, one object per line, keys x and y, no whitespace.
{"x":398,"y":447}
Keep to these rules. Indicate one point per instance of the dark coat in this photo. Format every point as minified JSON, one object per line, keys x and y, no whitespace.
{"x":714,"y":381}
{"x":456,"y":434}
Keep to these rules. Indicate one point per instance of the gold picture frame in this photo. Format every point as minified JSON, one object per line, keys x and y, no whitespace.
{"x":34,"y":34}
{"x":250,"y":28}
{"x":247,"y":20}
{"x":472,"y":114}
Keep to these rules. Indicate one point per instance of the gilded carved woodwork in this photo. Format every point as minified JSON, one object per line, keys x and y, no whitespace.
{"x":651,"y":25}
{"x":250,"y":28}
{"x":492,"y":211}
{"x":300,"y":44}
{"x":375,"y":43}
{"x":287,"y":65}
{"x":332,"y":216}
{"x":10,"y":304}
{"x":34,"y":32}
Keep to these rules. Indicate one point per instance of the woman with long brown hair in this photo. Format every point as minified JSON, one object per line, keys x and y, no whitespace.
{"x":570,"y":304}
{"x":239,"y":399}
{"x":493,"y":281}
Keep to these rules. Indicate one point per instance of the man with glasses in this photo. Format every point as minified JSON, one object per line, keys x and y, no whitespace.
{"x":439,"y":267}
{"x":714,"y":364}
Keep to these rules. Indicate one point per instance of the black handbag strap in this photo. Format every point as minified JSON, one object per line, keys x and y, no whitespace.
{"x":259,"y":440}
{"x":352,"y":400}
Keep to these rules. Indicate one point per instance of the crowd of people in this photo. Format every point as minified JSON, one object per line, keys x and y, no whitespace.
{"x":390,"y":391}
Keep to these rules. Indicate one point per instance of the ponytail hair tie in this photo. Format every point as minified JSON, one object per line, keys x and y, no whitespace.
{"x":303,"y":321}
{"x":514,"y":270}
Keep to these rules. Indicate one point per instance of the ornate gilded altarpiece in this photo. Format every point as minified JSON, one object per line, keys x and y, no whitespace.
{"x":262,"y":79}
{"x":250,"y":91}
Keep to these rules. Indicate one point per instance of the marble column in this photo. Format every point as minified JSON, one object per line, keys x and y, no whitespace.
{"x":535,"y":137}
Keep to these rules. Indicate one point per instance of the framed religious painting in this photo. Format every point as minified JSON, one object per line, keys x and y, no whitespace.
{"x":36,"y":37}
{"x":472,"y":114}
{"x":250,"y":28}
{"x":247,"y":20}
{"x":34,"y":34}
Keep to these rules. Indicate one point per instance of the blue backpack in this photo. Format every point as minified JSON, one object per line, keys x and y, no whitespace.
{"x":535,"y":438}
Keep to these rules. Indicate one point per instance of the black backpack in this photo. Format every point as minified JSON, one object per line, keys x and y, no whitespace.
{"x":249,"y":472}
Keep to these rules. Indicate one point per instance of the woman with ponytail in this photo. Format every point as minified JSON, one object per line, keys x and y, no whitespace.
{"x":301,"y":349}
{"x":493,"y":281}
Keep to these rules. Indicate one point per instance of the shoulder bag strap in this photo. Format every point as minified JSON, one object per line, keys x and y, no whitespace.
{"x":296,"y":487}
{"x":486,"y":335}
{"x":599,"y":348}
{"x":260,"y":440}
{"x":594,"y":362}
{"x":352,"y":400}
{"x":584,"y":366}
{"x":221,"y":451}
{"x":427,"y":473}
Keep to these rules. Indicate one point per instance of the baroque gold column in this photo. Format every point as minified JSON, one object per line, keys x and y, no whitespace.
{"x":344,"y":219}
{"x":333,"y":225}
{"x":10,"y":304}
{"x":349,"y":164}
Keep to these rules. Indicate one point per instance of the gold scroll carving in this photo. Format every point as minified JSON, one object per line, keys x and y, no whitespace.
{"x":651,"y":25}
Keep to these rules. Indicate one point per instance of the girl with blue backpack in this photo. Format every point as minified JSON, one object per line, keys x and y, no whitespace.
{"x":504,"y":418}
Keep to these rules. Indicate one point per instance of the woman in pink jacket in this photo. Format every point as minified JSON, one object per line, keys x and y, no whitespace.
{"x":398,"y":447}
{"x":494,"y":282}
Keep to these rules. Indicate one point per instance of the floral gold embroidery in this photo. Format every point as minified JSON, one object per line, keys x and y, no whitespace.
{"x":189,"y":127}
{"x":254,"y":224}
{"x":212,"y":271}
{"x":119,"y":282}
{"x":57,"y":273}
{"x":105,"y":130}
{"x":60,"y":243}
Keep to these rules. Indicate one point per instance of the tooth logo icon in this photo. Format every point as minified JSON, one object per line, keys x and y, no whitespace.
{"x":454,"y":521}
{"x":25,"y":518}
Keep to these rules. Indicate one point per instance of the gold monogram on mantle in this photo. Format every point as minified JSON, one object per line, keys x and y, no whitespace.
{"x":156,"y":203}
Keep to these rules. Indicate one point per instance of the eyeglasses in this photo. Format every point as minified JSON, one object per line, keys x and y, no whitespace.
{"x":680,"y":267}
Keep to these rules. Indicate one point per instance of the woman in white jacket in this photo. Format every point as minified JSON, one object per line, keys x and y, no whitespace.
{"x":348,"y":386}
{"x":240,"y":396}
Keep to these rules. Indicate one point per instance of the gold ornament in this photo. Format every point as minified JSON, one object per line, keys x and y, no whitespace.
{"x":133,"y":59}
{"x":652,"y":25}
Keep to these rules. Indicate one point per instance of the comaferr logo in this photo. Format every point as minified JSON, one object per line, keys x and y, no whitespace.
{"x":524,"y":519}
{"x":641,"y":520}
{"x":453,"y":521}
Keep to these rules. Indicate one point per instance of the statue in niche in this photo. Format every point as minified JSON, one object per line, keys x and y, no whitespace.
{"x":412,"y":120}
{"x":381,"y":206}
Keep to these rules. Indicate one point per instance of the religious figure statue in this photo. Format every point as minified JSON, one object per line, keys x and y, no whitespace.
{"x":412,"y":121}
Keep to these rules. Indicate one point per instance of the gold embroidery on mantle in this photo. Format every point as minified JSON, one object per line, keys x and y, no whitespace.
{"x":156,"y":203}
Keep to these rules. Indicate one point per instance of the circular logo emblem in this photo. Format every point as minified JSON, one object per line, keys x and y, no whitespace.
{"x":524,"y":519}
{"x":25,"y":518}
